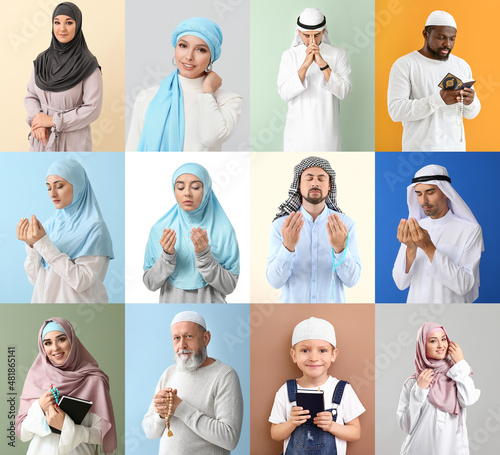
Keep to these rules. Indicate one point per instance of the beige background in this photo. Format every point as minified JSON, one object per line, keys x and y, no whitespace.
{"x":271,"y":365}
{"x":271,"y":174}
{"x":26,"y":29}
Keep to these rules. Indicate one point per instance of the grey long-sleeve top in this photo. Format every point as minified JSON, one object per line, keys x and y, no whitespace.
{"x":221,"y":282}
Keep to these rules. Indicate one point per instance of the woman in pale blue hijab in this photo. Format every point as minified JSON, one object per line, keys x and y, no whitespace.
{"x":68,"y":256}
{"x":192,"y":253}
{"x":188,"y":111}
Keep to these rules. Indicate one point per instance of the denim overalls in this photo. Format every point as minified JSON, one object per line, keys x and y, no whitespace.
{"x":308,"y":438}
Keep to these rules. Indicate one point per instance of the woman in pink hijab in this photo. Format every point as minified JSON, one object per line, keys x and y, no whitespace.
{"x":433,"y":401}
{"x":64,"y":367}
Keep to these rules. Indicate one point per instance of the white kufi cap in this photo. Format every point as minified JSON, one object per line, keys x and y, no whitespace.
{"x":314,"y":329}
{"x":441,"y":19}
{"x":189,"y":316}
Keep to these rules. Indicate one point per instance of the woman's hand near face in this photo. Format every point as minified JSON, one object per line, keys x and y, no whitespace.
{"x":22,"y":231}
{"x":55,"y":417}
{"x":35,"y":231}
{"x":42,"y":120}
{"x":168,"y":240}
{"x":199,"y":238}
{"x":46,"y":401}
{"x":212,"y":82}
{"x":425,"y":378}
{"x":455,"y":352}
{"x":41,"y":134}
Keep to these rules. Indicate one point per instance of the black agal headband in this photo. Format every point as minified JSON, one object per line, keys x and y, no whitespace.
{"x":427,"y":178}
{"x":311,"y":27}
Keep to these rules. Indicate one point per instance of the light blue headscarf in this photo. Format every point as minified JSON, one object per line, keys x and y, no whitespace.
{"x":210,"y":216}
{"x":52,"y":327}
{"x":163,"y":129}
{"x":78,"y":229}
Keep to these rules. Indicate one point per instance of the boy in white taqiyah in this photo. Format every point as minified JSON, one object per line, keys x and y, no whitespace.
{"x":313,"y":350}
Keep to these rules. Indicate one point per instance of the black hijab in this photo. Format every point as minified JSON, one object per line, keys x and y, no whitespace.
{"x":63,"y":65}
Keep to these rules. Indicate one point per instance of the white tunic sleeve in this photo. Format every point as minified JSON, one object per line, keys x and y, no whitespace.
{"x":289,"y":83}
{"x":466,"y":390}
{"x":73,"y":435}
{"x":460,"y":276}
{"x":32,"y":264}
{"x":218,"y":118}
{"x":339,"y":83}
{"x":402,"y":279}
{"x":79,"y":274}
{"x":34,"y":423}
{"x":411,"y":400}
{"x":401,"y":107}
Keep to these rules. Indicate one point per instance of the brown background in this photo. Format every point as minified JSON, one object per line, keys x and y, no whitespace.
{"x":271,"y":364}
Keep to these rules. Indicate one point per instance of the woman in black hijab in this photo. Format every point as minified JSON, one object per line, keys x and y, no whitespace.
{"x":65,"y":90}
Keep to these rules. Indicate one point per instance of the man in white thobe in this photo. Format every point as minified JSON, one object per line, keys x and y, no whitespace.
{"x":432,"y":117}
{"x":313,"y":77}
{"x":441,"y":242}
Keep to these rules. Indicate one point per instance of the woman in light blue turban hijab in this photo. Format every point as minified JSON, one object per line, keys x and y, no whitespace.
{"x":192,"y":252}
{"x":68,"y":256}
{"x":188,"y":111}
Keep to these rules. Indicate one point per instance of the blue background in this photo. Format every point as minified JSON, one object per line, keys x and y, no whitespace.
{"x":149,"y":352}
{"x":24,"y":193}
{"x":474,"y":176}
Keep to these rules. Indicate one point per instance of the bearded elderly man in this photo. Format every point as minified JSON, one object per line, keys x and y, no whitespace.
{"x":313,"y":246}
{"x":432,"y":117}
{"x":441,"y":242}
{"x":199,"y":396}
{"x":314,"y":77}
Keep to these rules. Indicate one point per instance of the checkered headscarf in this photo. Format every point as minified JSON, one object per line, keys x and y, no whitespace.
{"x":294,"y":201}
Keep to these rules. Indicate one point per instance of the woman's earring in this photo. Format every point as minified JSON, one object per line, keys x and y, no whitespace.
{"x":209,"y":68}
{"x":173,"y":61}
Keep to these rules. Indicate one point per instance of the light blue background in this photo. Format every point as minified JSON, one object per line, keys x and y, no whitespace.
{"x":149,"y":352}
{"x":24,"y":193}
{"x":473,"y":175}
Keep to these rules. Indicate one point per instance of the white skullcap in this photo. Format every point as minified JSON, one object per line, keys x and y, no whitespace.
{"x":189,"y":316}
{"x":314,"y":329}
{"x":441,"y":18}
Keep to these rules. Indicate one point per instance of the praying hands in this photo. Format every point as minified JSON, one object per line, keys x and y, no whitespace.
{"x":161,"y":401}
{"x":413,"y":236}
{"x":30,"y":231}
{"x":337,"y":233}
{"x":290,"y":231}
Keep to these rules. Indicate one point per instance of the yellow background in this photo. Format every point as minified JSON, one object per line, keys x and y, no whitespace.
{"x":26,"y":32}
{"x":400,"y":26}
{"x":271,"y":174}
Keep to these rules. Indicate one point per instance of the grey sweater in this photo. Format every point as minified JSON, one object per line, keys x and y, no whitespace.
{"x":221,"y":282}
{"x":209,"y":418}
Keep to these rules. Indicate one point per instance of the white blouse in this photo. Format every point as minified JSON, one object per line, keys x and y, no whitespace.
{"x":65,"y":281}
{"x":74,"y":439}
{"x":430,"y":430}
{"x":209,"y":119}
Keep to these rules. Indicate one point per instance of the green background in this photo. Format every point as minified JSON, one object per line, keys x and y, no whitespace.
{"x":351,"y":27}
{"x":99,"y":327}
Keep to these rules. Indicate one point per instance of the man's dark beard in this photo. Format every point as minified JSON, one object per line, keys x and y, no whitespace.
{"x":437,"y":54}
{"x":314,"y":201}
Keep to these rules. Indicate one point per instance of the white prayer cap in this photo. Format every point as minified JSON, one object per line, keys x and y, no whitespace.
{"x":441,"y":18}
{"x":189,"y":316}
{"x":311,"y":19}
{"x":314,"y":329}
{"x":437,"y":175}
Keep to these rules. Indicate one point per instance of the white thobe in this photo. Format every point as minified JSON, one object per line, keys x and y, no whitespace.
{"x":414,"y":98}
{"x":454,"y":271}
{"x":313,"y":116}
{"x":65,"y":281}
{"x":74,"y":439}
{"x":209,"y":120}
{"x":430,"y":430}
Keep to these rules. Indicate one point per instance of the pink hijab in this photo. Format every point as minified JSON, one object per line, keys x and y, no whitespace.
{"x":443,"y":390}
{"x":79,"y":376}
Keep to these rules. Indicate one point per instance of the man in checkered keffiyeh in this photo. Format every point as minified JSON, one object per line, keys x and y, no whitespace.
{"x":313,"y":248}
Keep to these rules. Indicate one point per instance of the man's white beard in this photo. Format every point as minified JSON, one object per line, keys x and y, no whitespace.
{"x":192,"y":363}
